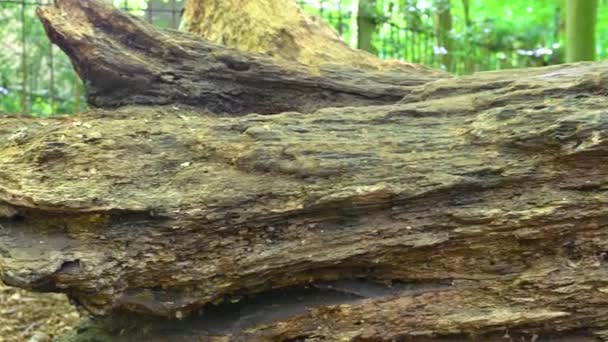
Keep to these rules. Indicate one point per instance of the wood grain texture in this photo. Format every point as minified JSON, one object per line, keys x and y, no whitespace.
{"x":279,"y":28}
{"x":474,"y":207}
{"x":123,"y":61}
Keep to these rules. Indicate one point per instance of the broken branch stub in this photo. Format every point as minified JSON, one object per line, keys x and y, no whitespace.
{"x":124,"y":60}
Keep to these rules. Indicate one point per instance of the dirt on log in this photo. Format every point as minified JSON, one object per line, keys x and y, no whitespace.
{"x":471,"y":207}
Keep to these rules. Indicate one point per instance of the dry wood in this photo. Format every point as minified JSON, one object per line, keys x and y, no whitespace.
{"x":473,"y":207}
{"x":123,"y":60}
{"x":279,"y":28}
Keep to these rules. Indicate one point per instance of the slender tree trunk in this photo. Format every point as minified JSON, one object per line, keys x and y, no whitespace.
{"x":580,"y":30}
{"x":469,"y":63}
{"x":466,"y":6}
{"x":413,"y":27}
{"x":443,"y":25}
{"x":558,"y":55}
{"x":366,"y":23}
{"x":560,"y":20}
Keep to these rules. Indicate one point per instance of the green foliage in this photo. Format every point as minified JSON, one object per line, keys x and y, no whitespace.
{"x":500,"y":34}
{"x":51,"y":85}
{"x":42,"y":78}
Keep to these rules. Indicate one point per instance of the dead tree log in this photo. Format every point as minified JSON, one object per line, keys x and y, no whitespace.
{"x":284,"y":32}
{"x":474,"y":206}
{"x":126,"y":61}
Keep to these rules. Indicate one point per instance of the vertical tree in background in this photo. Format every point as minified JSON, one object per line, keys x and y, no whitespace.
{"x":443,"y":28}
{"x":466,"y":11}
{"x":366,"y":24}
{"x":581,"y":17}
{"x":560,"y":19}
{"x":559,"y":33}
{"x":414,"y":23}
{"x":412,"y":15}
{"x":469,"y":63}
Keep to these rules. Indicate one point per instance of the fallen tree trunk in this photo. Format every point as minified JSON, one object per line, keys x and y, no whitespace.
{"x":474,"y":206}
{"x":126,"y":61}
{"x":279,"y":28}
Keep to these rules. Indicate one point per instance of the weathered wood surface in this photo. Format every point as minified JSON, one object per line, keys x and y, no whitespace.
{"x":474,"y":206}
{"x":125,"y":61}
{"x":499,"y":210}
{"x":279,"y":28}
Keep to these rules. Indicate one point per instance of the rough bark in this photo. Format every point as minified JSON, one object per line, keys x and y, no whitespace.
{"x":280,"y":29}
{"x":473,"y":207}
{"x":124,"y":61}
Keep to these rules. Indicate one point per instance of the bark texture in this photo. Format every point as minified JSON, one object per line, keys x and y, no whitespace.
{"x":124,"y":61}
{"x":473,"y":207}
{"x":282,"y":30}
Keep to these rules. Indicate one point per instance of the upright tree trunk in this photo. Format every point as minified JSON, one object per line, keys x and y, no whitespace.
{"x":580,"y":30}
{"x":366,"y":24}
{"x":559,"y":35}
{"x":413,"y":28}
{"x":469,"y":63}
{"x":466,"y":9}
{"x":443,"y":31}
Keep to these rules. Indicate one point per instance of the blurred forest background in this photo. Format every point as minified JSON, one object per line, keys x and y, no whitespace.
{"x":460,"y":36}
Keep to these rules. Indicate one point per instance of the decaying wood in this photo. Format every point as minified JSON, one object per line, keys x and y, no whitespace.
{"x":473,"y":207}
{"x":282,"y":30}
{"x":125,"y":61}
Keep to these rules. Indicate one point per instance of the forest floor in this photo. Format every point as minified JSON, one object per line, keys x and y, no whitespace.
{"x":35,"y":317}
